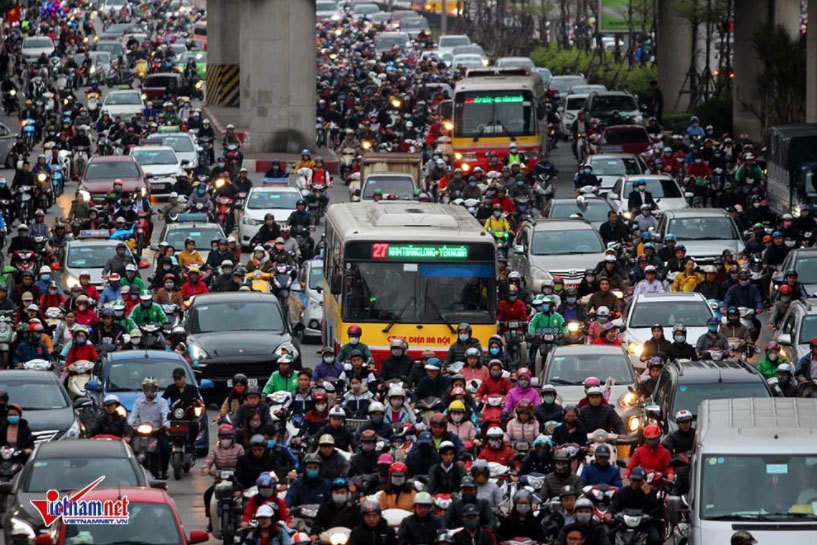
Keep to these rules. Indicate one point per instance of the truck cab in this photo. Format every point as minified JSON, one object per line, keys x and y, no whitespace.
{"x":791,"y":160}
{"x":396,"y":175}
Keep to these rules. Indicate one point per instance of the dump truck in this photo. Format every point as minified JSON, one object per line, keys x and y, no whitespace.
{"x":396,"y":175}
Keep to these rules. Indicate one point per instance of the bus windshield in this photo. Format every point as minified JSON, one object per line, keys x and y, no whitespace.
{"x":494,"y":113}
{"x":419,"y":292}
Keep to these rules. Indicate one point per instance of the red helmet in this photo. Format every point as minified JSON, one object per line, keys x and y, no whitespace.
{"x":226,"y":429}
{"x":772,"y":345}
{"x":398,"y":467}
{"x":558,"y":279}
{"x":319,"y":395}
{"x":652,"y":432}
{"x":785,"y":289}
{"x":354,"y":331}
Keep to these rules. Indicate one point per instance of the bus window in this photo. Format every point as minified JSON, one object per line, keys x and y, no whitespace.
{"x":494,"y":113}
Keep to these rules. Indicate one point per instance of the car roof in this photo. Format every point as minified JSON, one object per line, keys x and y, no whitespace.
{"x":611,"y":93}
{"x":158,"y":135}
{"x":707,"y":371}
{"x":154,"y":147}
{"x":236,"y":296}
{"x":696,"y":213}
{"x":606,"y":156}
{"x":28,"y":376}
{"x":85,"y":448}
{"x":112,"y":159}
{"x":589,"y":349}
{"x":180,"y":225}
{"x":136,"y":355}
{"x":562,"y":224}
{"x":287,"y":189}
{"x":809,"y":305}
{"x":629,"y":177}
{"x":669,"y":296}
{"x":94,"y":242}
{"x":587,"y":199}
{"x":134,"y":493}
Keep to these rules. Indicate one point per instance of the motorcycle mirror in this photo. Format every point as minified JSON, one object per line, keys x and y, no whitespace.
{"x":185,"y":162}
{"x":206,"y":384}
{"x":689,"y":194}
{"x":144,"y":264}
{"x":198,"y":536}
{"x":784,"y":339}
{"x":621,"y":463}
{"x":81,"y":402}
{"x":55,"y":266}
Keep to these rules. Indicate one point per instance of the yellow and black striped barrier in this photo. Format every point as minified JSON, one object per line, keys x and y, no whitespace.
{"x":223,"y":85}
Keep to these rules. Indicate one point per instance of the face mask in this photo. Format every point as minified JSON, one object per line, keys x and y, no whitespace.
{"x":472,"y":523}
{"x":496,"y":374}
{"x":82,"y":307}
{"x":398,"y":481}
{"x":680,"y":338}
{"x":547,"y":291}
{"x":46,"y":277}
{"x":520,"y":183}
{"x":320,"y":407}
{"x":340,"y":498}
{"x":13,"y":419}
{"x":271,"y":443}
{"x":354,"y":340}
{"x":166,"y":266}
{"x":495,"y":443}
{"x":756,"y":204}
{"x":397,"y":352}
{"x":255,"y":423}
{"x":773,"y":356}
{"x":550,"y":400}
{"x":642,"y":189}
{"x":376,"y":420}
{"x":169,"y":286}
{"x":145,"y":304}
{"x":587,"y":171}
{"x":590,"y":278}
{"x":523,"y":383}
{"x":396,"y":403}
{"x":783,"y":379}
{"x":266,"y":492}
{"x":494,"y":350}
{"x":464,"y":338}
{"x":367,"y":446}
{"x":225,"y":443}
{"x":329,"y":360}
{"x":583,"y":518}
{"x":523,"y":508}
{"x":81,"y":340}
{"x":713,"y":328}
{"x":457,"y":417}
{"x":652,"y":442}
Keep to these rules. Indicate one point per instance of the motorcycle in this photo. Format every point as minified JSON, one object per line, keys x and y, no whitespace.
{"x":145,"y":445}
{"x":182,"y":457}
{"x":225,"y":508}
{"x":315,"y":204}
{"x":631,"y":527}
{"x":347,"y":156}
{"x":575,"y":333}
{"x":514,"y":334}
{"x":503,"y":242}
{"x":29,"y":128}
{"x":57,"y":180}
{"x":141,"y":232}
{"x":224,"y":213}
{"x":11,"y":464}
{"x":79,"y":373}
{"x":92,"y":101}
{"x":24,"y":260}
{"x":11,"y":103}
{"x":282,"y":280}
{"x":746,"y":320}
{"x":44,"y":196}
{"x":233,"y":160}
{"x":206,"y":152}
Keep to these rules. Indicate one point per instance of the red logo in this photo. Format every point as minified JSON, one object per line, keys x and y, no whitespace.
{"x":76,"y":510}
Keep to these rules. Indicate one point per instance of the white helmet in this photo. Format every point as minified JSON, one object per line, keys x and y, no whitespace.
{"x":45,"y":269}
{"x":602,"y":311}
{"x":376,"y":407}
{"x":110,"y":399}
{"x":495,"y":432}
{"x":396,"y":391}
{"x":337,"y":411}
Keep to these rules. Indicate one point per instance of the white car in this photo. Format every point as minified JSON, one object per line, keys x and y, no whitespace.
{"x":183,"y":143}
{"x":448,"y":42}
{"x":278,"y":201}
{"x":468,"y":60}
{"x":327,"y":9}
{"x":667,"y":309}
{"x":514,"y":62}
{"x":384,"y":41}
{"x":35,"y":46}
{"x":114,"y":6}
{"x":664,"y":190}
{"x":364,"y":10}
{"x":124,"y":103}
{"x":609,"y":167}
{"x":570,"y":110}
{"x":162,"y":163}
{"x":586,"y":89}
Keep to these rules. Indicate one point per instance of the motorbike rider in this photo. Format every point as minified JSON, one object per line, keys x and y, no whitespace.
{"x":599,"y":415}
{"x":712,"y":338}
{"x":422,"y":527}
{"x":223,"y":456}
{"x":110,"y":421}
{"x":806,"y":372}
{"x":745,"y":294}
{"x":585,"y":525}
{"x":398,"y":492}
{"x":769,"y":364}
{"x":682,"y":440}
{"x":189,"y":398}
{"x":651,"y":456}
{"x":546,"y":319}
{"x":200,"y":196}
{"x":152,"y":409}
{"x":15,"y":431}
{"x":734,"y":329}
{"x":309,"y":488}
{"x":230,"y":137}
{"x":465,"y":340}
{"x":785,"y":386}
{"x":585,"y":177}
{"x":646,"y":386}
{"x":614,"y":230}
{"x":473,"y":532}
{"x":30,"y":347}
{"x":255,"y":461}
{"x":300,"y":216}
{"x":796,"y":288}
{"x":656,"y":345}
{"x":600,"y":471}
{"x":339,"y":511}
{"x":267,"y":490}
{"x":269,"y":231}
{"x":711,"y":288}
{"x":147,"y":311}
{"x":640,"y":495}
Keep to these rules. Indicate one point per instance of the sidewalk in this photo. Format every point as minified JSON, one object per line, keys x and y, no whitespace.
{"x":221,"y":116}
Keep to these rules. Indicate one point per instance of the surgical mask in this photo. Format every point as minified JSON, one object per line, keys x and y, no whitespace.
{"x":773,"y":356}
{"x":313,"y":473}
{"x":13,"y":419}
{"x":464,"y":337}
{"x":523,"y":383}
{"x":680,"y":338}
{"x":169,"y":285}
{"x":512,"y":297}
{"x":457,"y":417}
{"x":354,"y":340}
{"x":271,"y":443}
{"x":496,"y":374}
{"x":82,"y":307}
{"x":166,"y":266}
{"x":642,"y":188}
{"x":583,"y":518}
{"x":497,"y":213}
{"x":601,"y":319}
{"x":712,"y":328}
{"x":494,"y":350}
{"x":570,"y":300}
{"x":266,"y":491}
{"x":652,"y":442}
{"x":45,"y":277}
{"x":376,"y":420}
{"x":495,"y":443}
{"x":145,"y":304}
{"x":547,"y":290}
{"x":340,"y":498}
{"x":328,"y":359}
{"x":523,"y":508}
{"x":471,"y":523}
{"x":81,"y":340}
{"x":368,"y":446}
{"x":520,"y":183}
{"x":472,"y":184}
{"x":255,"y":423}
{"x":396,"y":403}
{"x":398,"y":481}
{"x":756,"y":204}
{"x":320,"y":407}
{"x":550,"y":400}
{"x":587,"y":170}
{"x":590,"y":278}
{"x":225,"y":443}
{"x":396,"y":352}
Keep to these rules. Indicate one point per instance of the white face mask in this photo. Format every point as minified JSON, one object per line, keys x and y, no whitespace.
{"x":226,"y":443}
{"x":354,"y":340}
{"x":340,"y":498}
{"x":396,"y":403}
{"x":320,"y":407}
{"x":457,"y":417}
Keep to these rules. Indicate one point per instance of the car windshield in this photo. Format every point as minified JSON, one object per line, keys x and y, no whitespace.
{"x":564,"y":242}
{"x":516,"y":61}
{"x":198,"y":56}
{"x":325,"y":6}
{"x":454,"y":41}
{"x":37,"y":42}
{"x":387,"y":42}
{"x":594,"y":210}
{"x":114,"y":48}
{"x":75,"y":473}
{"x":315,"y":277}
{"x":148,"y":524}
{"x":154,"y":157}
{"x":158,"y":81}
{"x":365,"y":9}
{"x":808,"y":328}
{"x":806,"y":268}
{"x":120,"y":99}
{"x":562,"y":84}
{"x":782,"y":487}
{"x":34,"y":396}
{"x":494,"y":113}
{"x":127,"y":375}
{"x":202,"y":234}
{"x":575,"y":103}
{"x":467,"y":60}
{"x":625,"y":136}
{"x":401,"y":187}
{"x":263,"y":200}
{"x":180,"y":144}
{"x":414,"y":23}
{"x":616,"y":166}
{"x":110,"y":170}
{"x":663,"y":188}
{"x":89,"y":257}
{"x":622,"y":103}
{"x":236,"y":316}
{"x":670,"y":312}
{"x":705,"y":228}
{"x":574,"y":368}
{"x":689,"y":396}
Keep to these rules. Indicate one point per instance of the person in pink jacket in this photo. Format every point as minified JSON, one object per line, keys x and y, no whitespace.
{"x":458,"y":423}
{"x":473,"y":369}
{"x":524,"y":427}
{"x":521,"y":391}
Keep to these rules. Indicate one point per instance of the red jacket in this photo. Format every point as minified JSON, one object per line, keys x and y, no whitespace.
{"x":91,"y":291}
{"x":87,"y":317}
{"x":699,"y":170}
{"x":506,"y":204}
{"x":516,"y":310}
{"x":189,"y":289}
{"x":258,"y":500}
{"x":503,"y":456}
{"x":81,"y":352}
{"x":47,"y":301}
{"x":499,"y":386}
{"x":603,"y":341}
{"x":652,"y":459}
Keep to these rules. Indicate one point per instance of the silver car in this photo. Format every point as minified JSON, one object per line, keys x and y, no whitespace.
{"x":548,"y":248}
{"x":706,"y":232}
{"x":184,"y":144}
{"x":306,"y":301}
{"x":609,"y":167}
{"x":664,"y":190}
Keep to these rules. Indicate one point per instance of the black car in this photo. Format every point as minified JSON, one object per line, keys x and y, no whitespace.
{"x":65,"y":466}
{"x":602,"y":105}
{"x":239,"y":332}
{"x":685,"y":384}
{"x":46,"y":405}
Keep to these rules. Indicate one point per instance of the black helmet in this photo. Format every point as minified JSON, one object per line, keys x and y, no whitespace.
{"x":271,"y":216}
{"x":240,"y":378}
{"x":178,"y":372}
{"x":744,"y":274}
{"x":791,"y":272}
{"x":300,"y":202}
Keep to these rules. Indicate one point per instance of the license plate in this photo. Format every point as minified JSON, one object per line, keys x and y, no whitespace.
{"x":547,"y":337}
{"x":513,"y":325}
{"x":179,"y":428}
{"x":250,"y":382}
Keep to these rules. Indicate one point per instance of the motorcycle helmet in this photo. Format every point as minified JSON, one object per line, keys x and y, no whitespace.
{"x":226,"y":431}
{"x":652,"y":432}
{"x":682,"y":416}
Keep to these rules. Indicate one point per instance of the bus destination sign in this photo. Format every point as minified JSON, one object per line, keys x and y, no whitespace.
{"x":495,"y":99}
{"x":386,"y":250}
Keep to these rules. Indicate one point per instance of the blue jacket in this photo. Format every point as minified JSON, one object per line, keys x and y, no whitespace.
{"x":303,"y":491}
{"x":27,"y":351}
{"x":738,"y":296}
{"x":419,"y":463}
{"x":594,"y":474}
{"x":42,"y":284}
{"x":803,"y":367}
{"x":109,"y":295}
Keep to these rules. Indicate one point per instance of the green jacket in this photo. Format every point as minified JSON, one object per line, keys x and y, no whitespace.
{"x":128,"y":324}
{"x":768,"y":368}
{"x":743,"y":173}
{"x":542,"y":320}
{"x":154,"y":314}
{"x":137,"y":283}
{"x":279,"y":383}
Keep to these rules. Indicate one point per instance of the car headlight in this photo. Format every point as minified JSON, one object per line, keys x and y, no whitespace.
{"x":197,"y":353}
{"x":457,"y":156}
{"x":335,"y":17}
{"x":540,"y":274}
{"x":573,"y":327}
{"x":73,"y":431}
{"x":628,"y":400}
{"x":633,"y":424}
{"x":286,"y":348}
{"x":249,"y":221}
{"x":71,"y":281}
{"x":18,"y":524}
{"x":635,"y":349}
{"x":314,"y":305}
{"x":628,"y":215}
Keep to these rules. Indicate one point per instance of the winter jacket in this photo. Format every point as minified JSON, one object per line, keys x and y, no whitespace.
{"x":494,"y":386}
{"x":595,"y":474}
{"x":453,"y":515}
{"x":432,"y":388}
{"x":479,"y":372}
{"x":457,"y":350}
{"x":334,"y":466}
{"x":652,"y":459}
{"x":248,"y":468}
{"x":401,"y":497}
{"x":419,"y":531}
{"x":330,"y":514}
{"x":81,"y":352}
{"x":381,"y":534}
{"x":142,"y":316}
{"x":404,"y":416}
{"x":441,"y":481}
{"x":344,"y":438}
{"x":517,"y":394}
{"x":687,"y":283}
{"x":189,"y":289}
{"x":602,"y":416}
{"x":279,"y":383}
{"x":224,"y":458}
{"x":554,"y":483}
{"x":305,"y":491}
{"x":419,"y":462}
{"x":521,"y":431}
{"x":679,"y":442}
{"x":546,"y":413}
{"x":465,"y":430}
{"x":258,"y":500}
{"x":393,"y":367}
{"x":502,"y":456}
{"x":363,"y":463}
{"x":515,"y":525}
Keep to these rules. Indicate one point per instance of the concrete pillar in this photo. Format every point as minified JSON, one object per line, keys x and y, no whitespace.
{"x":674,"y":46}
{"x":223,"y":52}
{"x":751,"y":15}
{"x":278,"y":93}
{"x":787,"y":14}
{"x":811,"y":61}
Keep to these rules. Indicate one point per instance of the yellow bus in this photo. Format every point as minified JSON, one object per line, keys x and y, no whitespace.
{"x":409,"y":270}
{"x":494,"y":107}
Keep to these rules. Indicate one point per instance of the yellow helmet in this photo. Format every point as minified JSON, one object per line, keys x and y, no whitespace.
{"x":456,"y":406}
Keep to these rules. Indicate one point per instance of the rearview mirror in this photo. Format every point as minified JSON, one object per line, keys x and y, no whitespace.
{"x":674,"y":509}
{"x":185,"y":162}
{"x":653,"y":411}
{"x":689,"y":195}
{"x":206,"y":384}
{"x":336,"y":285}
{"x":198,"y":536}
{"x":784,"y":339}
{"x":519,"y":249}
{"x":81,"y":402}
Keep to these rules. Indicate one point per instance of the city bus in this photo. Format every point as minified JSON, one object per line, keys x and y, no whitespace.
{"x":494,"y":107}
{"x":409,"y":270}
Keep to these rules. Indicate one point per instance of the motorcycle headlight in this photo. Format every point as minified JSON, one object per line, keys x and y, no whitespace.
{"x":628,"y":215}
{"x":448,"y":125}
{"x":199,"y":85}
{"x":178,"y":413}
{"x":338,"y":539}
{"x":286,"y":348}
{"x":18,"y":524}
{"x":628,"y":400}
{"x":41,"y":177}
{"x":635,"y":349}
{"x":633,"y":424}
{"x":13,"y":92}
{"x":71,"y":281}
{"x":144,"y":429}
{"x":573,"y":327}
{"x":93,"y":70}
{"x":197,"y":411}
{"x":122,"y":411}
{"x":73,"y":431}
{"x":197,"y":353}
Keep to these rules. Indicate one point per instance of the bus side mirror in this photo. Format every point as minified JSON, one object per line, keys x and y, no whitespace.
{"x":674,"y":509}
{"x":336,"y":284}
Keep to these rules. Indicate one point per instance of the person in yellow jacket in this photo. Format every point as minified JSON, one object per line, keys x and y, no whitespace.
{"x":190,"y":254}
{"x":497,"y":223}
{"x":687,"y":280}
{"x":305,"y":161}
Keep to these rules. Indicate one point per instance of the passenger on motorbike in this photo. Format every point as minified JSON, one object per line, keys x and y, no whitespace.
{"x":268,"y":531}
{"x":15,"y":432}
{"x":523,"y":427}
{"x":496,"y":449}
{"x":495,"y":384}
{"x":267,"y":495}
{"x":357,"y":399}
{"x":651,"y":456}
{"x":434,"y":384}
{"x":682,"y":440}
{"x":154,"y":410}
{"x":592,"y":530}
{"x":398,"y":492}
{"x":310,"y":487}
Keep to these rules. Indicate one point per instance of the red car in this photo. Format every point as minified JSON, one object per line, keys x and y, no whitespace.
{"x":102,"y":170}
{"x":155,"y":85}
{"x":152,"y":518}
{"x":624,"y":139}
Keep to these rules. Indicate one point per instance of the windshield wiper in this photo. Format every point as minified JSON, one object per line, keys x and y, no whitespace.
{"x":808,"y":516}
{"x":563,"y":382}
{"x":480,"y":133}
{"x":741,"y":516}
{"x":438,"y":311}
{"x":504,"y":128}
{"x":399,"y":315}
